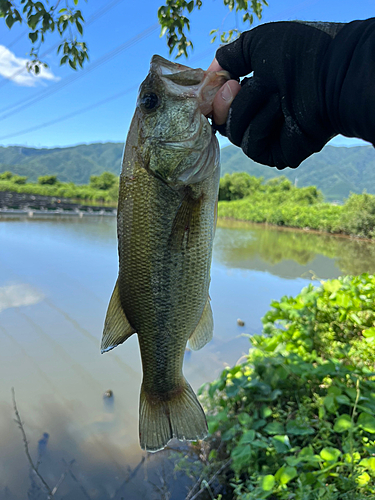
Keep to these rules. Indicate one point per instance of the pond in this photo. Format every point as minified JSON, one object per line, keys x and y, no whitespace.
{"x":56,"y":278}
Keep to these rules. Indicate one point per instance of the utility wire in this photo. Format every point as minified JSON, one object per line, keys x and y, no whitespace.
{"x":70,"y":115}
{"x":87,"y":108}
{"x":21,"y":105}
{"x":99,"y":13}
{"x":16,"y":40}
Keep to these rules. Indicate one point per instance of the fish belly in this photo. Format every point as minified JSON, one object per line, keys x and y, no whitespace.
{"x":165,"y":246}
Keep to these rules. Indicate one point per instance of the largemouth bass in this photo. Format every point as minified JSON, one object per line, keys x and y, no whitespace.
{"x":166,"y":222}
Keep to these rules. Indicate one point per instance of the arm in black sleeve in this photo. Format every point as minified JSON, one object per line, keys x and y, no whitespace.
{"x":348,"y":81}
{"x":306,"y":88}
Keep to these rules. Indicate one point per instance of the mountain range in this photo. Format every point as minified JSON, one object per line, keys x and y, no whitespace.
{"x":336,"y":171}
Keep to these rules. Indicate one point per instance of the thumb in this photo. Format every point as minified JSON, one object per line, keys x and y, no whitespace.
{"x":223,"y":101}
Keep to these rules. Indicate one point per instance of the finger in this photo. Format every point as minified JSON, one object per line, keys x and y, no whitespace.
{"x":214,"y":66}
{"x":235,"y":57}
{"x":261,"y":139}
{"x":252,"y":97}
{"x":223,"y":101}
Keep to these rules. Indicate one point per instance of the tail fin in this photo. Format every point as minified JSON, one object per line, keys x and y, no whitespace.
{"x":181,"y":416}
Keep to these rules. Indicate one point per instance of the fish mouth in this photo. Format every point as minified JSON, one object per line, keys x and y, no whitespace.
{"x":191,"y":82}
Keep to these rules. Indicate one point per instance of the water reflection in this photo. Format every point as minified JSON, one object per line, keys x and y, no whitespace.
{"x":250,"y":246}
{"x":18,"y":295}
{"x":56,"y":277}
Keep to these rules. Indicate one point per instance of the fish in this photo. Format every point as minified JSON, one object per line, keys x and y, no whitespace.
{"x":166,"y":221}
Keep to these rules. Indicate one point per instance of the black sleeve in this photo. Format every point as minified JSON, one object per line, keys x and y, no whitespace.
{"x":348,"y":81}
{"x":308,"y":85}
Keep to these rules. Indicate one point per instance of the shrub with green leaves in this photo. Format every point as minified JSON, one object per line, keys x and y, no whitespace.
{"x":102,"y":189}
{"x":278,"y":202}
{"x":358,"y":215}
{"x":297,"y":420}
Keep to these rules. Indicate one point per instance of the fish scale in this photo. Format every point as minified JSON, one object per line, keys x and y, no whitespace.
{"x":166,"y":222}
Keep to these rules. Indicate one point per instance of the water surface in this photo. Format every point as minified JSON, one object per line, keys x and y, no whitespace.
{"x":56,"y":278}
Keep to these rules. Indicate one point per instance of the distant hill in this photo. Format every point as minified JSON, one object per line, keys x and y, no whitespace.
{"x":74,"y":164}
{"x":336,"y":171}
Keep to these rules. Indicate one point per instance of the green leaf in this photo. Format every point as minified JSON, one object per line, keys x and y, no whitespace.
{"x":241,"y":455}
{"x":298,"y":429}
{"x":244,"y":419}
{"x":247,"y":437}
{"x":332,"y":286}
{"x":268,"y":482}
{"x":281,"y":443}
{"x":330,"y":403}
{"x":274,"y":428}
{"x":258,"y":443}
{"x":343,"y":400}
{"x":79,"y":27}
{"x":368,"y":463}
{"x":285,"y":474}
{"x":33,"y":36}
{"x":367,"y":422}
{"x":292,"y":461}
{"x":265,"y":411}
{"x":343,"y":423}
{"x":330,"y":454}
{"x":10,"y":20}
{"x":369,"y":332}
{"x":363,"y":479}
{"x":190,"y":6}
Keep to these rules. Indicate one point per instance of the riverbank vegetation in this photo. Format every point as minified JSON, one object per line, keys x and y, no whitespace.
{"x":297,"y":418}
{"x":102,"y":188}
{"x":278,"y":202}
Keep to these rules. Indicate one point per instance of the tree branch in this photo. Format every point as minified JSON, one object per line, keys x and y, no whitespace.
{"x":224,"y":466}
{"x":24,"y":437}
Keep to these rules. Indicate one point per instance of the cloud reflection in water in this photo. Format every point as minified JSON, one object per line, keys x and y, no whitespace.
{"x":19,"y":295}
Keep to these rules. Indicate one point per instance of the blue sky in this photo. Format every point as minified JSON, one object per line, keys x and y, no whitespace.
{"x":120,"y":50}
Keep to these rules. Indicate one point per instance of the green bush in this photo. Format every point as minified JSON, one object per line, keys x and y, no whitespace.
{"x":49,"y":186}
{"x":47,"y":179}
{"x":297,"y":419}
{"x":5,"y":176}
{"x":238,"y":185}
{"x":103,"y":181}
{"x":358,"y":215}
{"x":18,"y":179}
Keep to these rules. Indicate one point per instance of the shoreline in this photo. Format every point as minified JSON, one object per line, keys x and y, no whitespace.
{"x":10,"y":213}
{"x":299,"y":229}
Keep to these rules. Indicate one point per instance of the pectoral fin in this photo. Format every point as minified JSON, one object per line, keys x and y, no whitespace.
{"x":117,"y":328}
{"x":204,"y":330}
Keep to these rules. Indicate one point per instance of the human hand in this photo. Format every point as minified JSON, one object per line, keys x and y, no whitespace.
{"x":278,"y":115}
{"x":224,"y":96}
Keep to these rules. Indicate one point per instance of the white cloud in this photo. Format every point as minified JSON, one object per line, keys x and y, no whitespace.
{"x":18,"y":295}
{"x":14,"y":68}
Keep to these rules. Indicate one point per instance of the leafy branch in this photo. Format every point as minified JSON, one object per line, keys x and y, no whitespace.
{"x":175,"y":24}
{"x":41,"y":19}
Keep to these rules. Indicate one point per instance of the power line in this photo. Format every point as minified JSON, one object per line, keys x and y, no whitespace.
{"x":16,"y":40}
{"x":99,"y":13}
{"x":197,"y":57}
{"x":17,"y":107}
{"x":70,"y":115}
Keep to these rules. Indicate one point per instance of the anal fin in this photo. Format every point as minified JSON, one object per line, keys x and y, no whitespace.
{"x":117,"y":328}
{"x":204,"y":330}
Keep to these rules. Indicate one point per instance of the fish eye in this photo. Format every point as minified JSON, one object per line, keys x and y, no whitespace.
{"x":149,"y":101}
